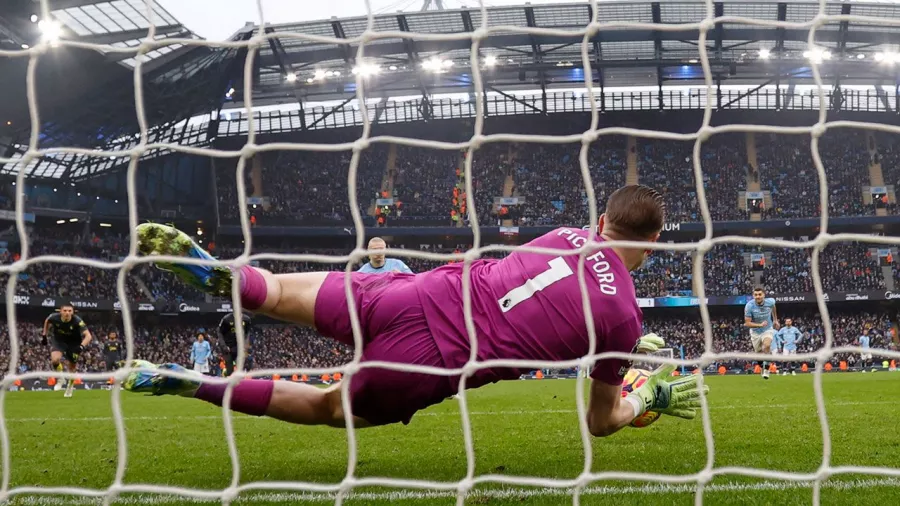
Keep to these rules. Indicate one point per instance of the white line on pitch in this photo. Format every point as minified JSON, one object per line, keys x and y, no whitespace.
{"x":474,"y":413}
{"x":489,"y":493}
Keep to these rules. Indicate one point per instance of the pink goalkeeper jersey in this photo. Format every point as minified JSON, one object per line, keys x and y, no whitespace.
{"x":528,"y":306}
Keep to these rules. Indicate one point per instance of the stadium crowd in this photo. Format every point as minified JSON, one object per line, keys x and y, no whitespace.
{"x":271,"y":346}
{"x":845,"y":267}
{"x":311,"y":188}
{"x":285,"y":347}
{"x":686,"y":331}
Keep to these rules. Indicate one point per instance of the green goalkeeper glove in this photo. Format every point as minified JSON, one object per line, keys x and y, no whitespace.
{"x":650,"y":344}
{"x":676,"y":396}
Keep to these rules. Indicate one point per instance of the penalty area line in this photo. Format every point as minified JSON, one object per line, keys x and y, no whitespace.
{"x":489,"y":493}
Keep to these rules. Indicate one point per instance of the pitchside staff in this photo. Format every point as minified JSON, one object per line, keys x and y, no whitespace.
{"x":69,"y":338}
{"x":228,"y":333}
{"x":113,"y":351}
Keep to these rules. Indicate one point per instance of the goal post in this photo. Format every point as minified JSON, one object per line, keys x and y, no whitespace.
{"x":705,"y":26}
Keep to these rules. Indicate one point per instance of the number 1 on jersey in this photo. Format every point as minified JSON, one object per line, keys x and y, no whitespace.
{"x":558,"y":270}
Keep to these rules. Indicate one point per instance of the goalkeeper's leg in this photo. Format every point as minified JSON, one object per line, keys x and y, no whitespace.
{"x":291,"y":402}
{"x":288,"y":297}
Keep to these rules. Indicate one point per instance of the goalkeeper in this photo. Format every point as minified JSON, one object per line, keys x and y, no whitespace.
{"x":527,"y":306}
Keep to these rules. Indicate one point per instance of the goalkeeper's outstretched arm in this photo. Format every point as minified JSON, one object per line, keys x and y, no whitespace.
{"x":608,"y":411}
{"x":668,"y":395}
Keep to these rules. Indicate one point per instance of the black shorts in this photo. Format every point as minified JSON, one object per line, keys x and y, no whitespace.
{"x":70,"y":350}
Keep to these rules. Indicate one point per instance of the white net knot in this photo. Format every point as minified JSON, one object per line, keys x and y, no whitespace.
{"x":824,"y":355}
{"x":360,"y":145}
{"x":229,"y":495}
{"x":351,"y":368}
{"x":589,"y":136}
{"x":708,"y":357}
{"x":256,"y":41}
{"x":593,"y":28}
{"x":465,"y":486}
{"x":471,"y":255}
{"x":586,"y":363}
{"x":249,"y":150}
{"x":704,"y":133}
{"x":479,"y":34}
{"x":476,"y":141}
{"x":706,"y":25}
{"x":470,"y":368}
{"x":823,"y":473}
{"x":704,"y":476}
{"x":818,"y":130}
{"x":703,"y":246}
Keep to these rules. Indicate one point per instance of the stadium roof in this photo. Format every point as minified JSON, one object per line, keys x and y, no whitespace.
{"x":190,"y":81}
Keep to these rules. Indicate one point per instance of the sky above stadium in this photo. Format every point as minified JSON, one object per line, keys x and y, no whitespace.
{"x":219,"y":19}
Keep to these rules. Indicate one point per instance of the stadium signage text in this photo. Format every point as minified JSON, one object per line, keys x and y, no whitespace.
{"x":48,"y":303}
{"x":671,"y":227}
{"x":644,"y":302}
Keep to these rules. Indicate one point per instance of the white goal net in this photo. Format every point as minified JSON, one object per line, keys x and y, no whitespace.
{"x":461,"y":488}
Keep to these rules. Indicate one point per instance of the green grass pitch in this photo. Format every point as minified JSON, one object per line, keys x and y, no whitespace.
{"x":523,"y":428}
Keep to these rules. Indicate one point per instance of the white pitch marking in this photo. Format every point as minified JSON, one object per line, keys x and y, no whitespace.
{"x":490,"y":493}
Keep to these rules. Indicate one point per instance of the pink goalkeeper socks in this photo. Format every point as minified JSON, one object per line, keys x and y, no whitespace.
{"x":253,"y":288}
{"x":250,"y":396}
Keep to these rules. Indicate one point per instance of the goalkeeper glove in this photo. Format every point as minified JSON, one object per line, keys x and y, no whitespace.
{"x":650,"y":344}
{"x":675,"y":396}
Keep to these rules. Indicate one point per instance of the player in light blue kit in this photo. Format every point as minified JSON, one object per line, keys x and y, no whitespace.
{"x":788,"y":337}
{"x":761,"y":318}
{"x":200,"y":353}
{"x":866,"y":356}
{"x":378,"y":264}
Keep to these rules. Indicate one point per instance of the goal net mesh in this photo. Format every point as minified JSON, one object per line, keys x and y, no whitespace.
{"x":344,"y":489}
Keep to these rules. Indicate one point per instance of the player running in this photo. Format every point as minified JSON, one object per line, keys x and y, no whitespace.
{"x":525,"y":306}
{"x":787,"y":337}
{"x":378,"y":264}
{"x":70,"y":337}
{"x":228,"y":334}
{"x":761,"y":317}
{"x":200,"y":353}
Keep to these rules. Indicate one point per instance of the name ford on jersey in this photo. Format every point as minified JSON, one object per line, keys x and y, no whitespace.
{"x":187,"y":308}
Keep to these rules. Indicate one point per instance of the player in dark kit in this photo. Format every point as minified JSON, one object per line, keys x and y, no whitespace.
{"x":228,"y":334}
{"x":527,"y":306}
{"x":113,"y":351}
{"x":70,"y":337}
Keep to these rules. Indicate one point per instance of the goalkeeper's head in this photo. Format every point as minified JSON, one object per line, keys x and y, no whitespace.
{"x":633,"y":213}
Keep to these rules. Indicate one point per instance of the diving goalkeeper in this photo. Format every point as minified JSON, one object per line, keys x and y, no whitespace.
{"x":526,"y":306}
